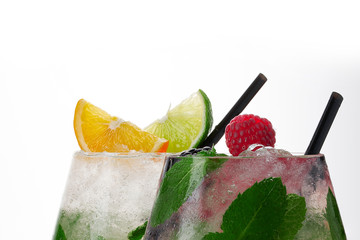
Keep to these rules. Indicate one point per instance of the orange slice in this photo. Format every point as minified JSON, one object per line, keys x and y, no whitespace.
{"x":98,"y":131}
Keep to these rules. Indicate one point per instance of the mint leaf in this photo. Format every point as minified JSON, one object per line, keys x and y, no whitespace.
{"x":263,"y":211}
{"x":179,"y":183}
{"x":293,"y":218}
{"x":333,"y":216}
{"x":100,"y":238}
{"x":60,"y":234}
{"x":246,"y":218}
{"x":138,"y":233}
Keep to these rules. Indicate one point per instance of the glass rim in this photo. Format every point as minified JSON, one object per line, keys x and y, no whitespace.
{"x":131,"y":154}
{"x":294,"y":155}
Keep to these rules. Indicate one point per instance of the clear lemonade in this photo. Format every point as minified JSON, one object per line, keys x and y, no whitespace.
{"x":114,"y":178}
{"x":108,"y":195}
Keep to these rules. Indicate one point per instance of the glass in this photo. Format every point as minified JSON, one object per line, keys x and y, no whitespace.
{"x":203,"y":188}
{"x":108,"y":195}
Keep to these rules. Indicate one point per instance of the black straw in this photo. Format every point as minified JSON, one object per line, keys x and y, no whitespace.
{"x":239,"y":106}
{"x":325,"y":123}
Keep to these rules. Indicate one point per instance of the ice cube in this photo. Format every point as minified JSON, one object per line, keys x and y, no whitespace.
{"x":259,"y":150}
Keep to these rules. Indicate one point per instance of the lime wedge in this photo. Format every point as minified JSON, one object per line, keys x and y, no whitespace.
{"x":186,"y":125}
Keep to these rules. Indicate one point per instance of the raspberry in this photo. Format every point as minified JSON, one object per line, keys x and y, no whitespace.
{"x":245,"y":130}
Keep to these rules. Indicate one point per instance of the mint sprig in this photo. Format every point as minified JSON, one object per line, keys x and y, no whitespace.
{"x":263,"y":211}
{"x":179,"y":183}
{"x":334,"y":219}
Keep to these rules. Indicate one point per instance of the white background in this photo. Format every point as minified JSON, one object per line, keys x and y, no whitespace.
{"x":134,"y":59}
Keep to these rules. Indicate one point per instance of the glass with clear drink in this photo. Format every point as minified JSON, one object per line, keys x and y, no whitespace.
{"x":108,"y":194}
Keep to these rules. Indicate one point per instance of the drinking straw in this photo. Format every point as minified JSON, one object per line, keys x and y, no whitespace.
{"x":239,"y":106}
{"x":325,"y":123}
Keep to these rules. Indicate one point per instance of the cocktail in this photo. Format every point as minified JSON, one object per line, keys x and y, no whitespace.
{"x":262,"y":194}
{"x":108,"y":194}
{"x":258,"y":193}
{"x":114,"y":178}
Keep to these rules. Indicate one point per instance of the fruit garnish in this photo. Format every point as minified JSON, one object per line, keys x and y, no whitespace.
{"x":98,"y":131}
{"x":247,"y":129}
{"x":187,"y":124}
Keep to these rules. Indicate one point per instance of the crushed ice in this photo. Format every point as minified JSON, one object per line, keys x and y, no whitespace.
{"x":258,"y":150}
